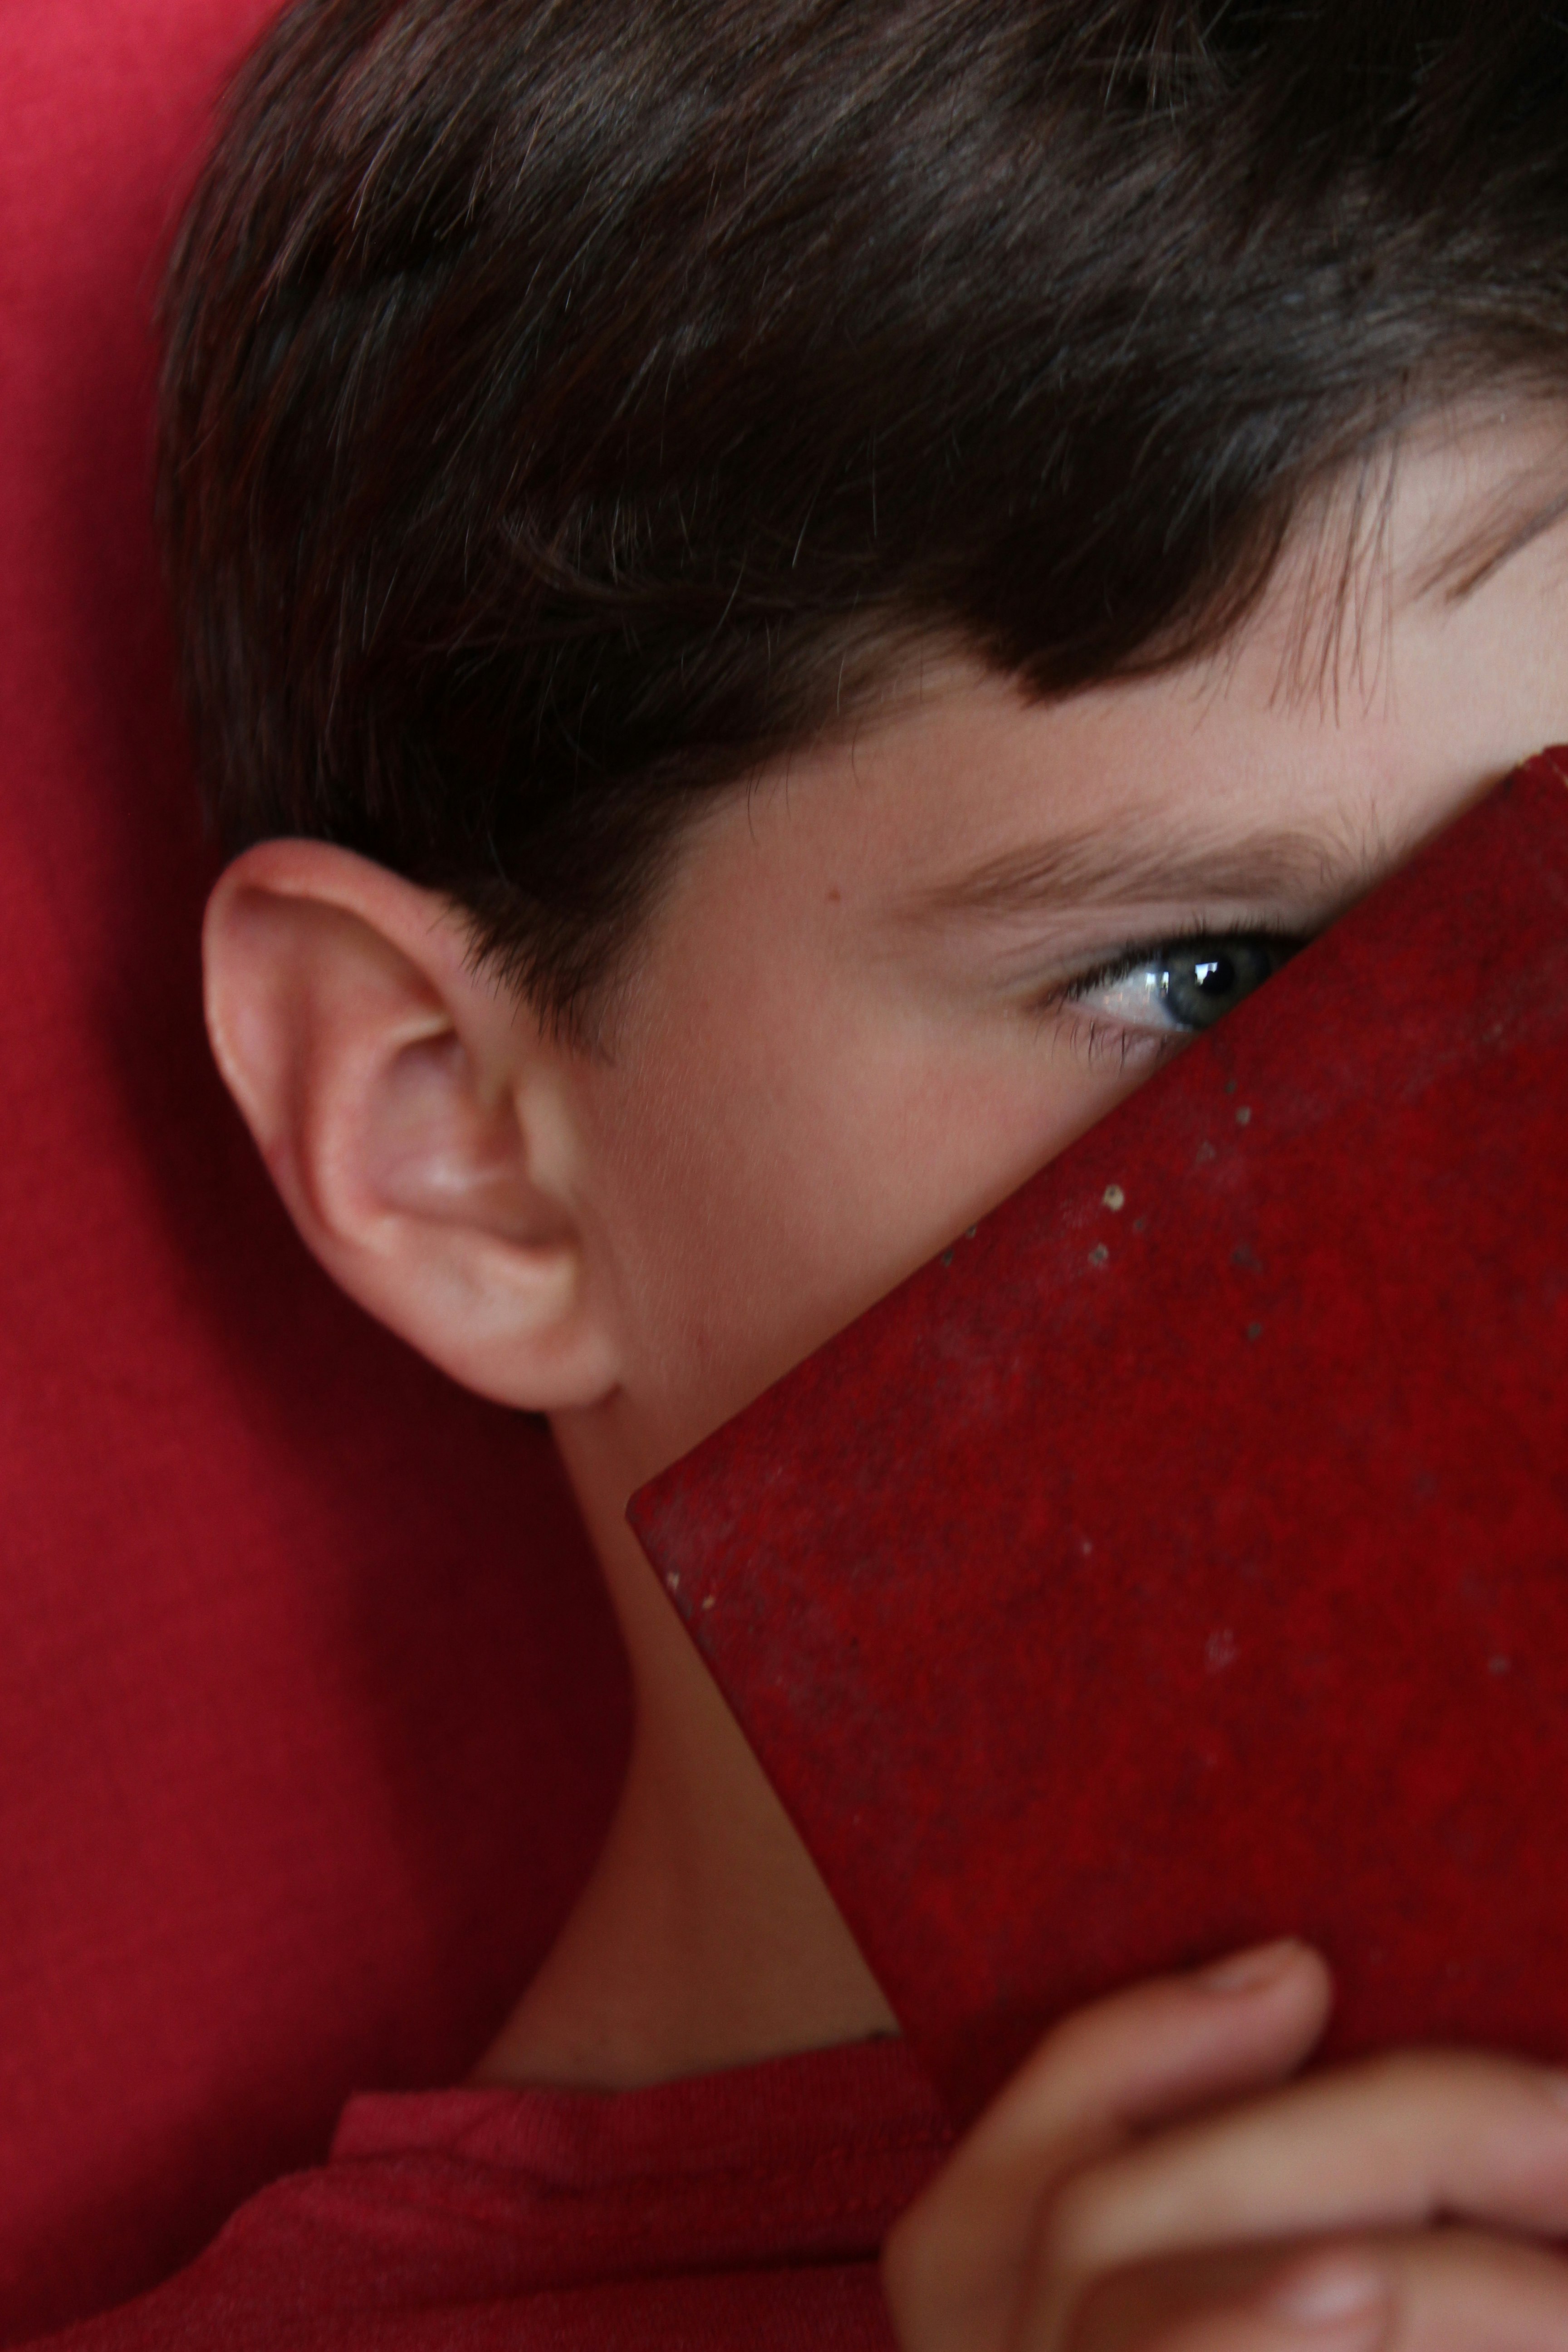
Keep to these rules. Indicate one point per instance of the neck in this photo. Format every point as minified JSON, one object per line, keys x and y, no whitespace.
{"x":705,"y":1938}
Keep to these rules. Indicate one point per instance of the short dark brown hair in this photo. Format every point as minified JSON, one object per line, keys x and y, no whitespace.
{"x":569,"y":404}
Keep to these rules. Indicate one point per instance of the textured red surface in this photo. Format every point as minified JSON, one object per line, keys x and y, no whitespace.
{"x":1138,"y":1581}
{"x":309,"y":1709}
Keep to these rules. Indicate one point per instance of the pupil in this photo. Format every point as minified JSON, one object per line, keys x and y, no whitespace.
{"x":1214,"y":976}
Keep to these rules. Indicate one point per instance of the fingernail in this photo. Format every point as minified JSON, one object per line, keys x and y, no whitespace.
{"x":1330,"y":2294}
{"x":1249,"y":1971}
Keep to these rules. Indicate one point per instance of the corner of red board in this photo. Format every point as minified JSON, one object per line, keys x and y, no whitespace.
{"x":1183,"y":1559}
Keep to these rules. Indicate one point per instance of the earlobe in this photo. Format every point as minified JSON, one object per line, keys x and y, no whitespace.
{"x":418,"y":1124}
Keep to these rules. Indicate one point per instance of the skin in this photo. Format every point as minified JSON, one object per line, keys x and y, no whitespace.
{"x":845,"y":1035}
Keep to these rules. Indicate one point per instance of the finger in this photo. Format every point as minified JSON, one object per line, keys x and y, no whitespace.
{"x":954,"y":2263}
{"x":1442,"y":2291}
{"x":1395,"y":2142}
{"x":1336,"y":2299}
{"x":1159,"y":2049}
{"x":1458,"y":2291}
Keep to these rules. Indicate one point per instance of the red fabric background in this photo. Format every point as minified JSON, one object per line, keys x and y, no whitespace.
{"x":309,"y":1712}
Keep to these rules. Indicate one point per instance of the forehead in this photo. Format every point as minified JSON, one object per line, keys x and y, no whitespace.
{"x":1418,"y":602}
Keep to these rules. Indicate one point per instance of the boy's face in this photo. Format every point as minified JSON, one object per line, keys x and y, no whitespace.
{"x":848,"y":1030}
{"x":849,"y":1037}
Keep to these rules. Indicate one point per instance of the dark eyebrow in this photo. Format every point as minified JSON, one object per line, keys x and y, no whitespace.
{"x":1471,"y":562}
{"x":1099,"y":867}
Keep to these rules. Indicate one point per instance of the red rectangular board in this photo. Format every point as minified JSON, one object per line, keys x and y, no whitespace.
{"x":1182,"y":1559}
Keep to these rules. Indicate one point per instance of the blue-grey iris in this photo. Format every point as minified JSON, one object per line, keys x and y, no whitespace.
{"x":1203,"y":979}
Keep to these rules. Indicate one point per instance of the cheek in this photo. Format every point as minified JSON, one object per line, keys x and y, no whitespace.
{"x":759,"y":1188}
{"x":790,"y":1156}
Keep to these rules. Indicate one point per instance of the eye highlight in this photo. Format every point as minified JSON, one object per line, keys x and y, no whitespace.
{"x":1180,"y":987}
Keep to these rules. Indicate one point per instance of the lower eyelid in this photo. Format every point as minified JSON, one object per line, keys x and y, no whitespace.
{"x":1096,"y":1040}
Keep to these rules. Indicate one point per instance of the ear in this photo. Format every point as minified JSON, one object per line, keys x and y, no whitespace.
{"x":417,"y":1120}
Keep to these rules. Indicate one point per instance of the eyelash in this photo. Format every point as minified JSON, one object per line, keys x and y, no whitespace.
{"x":1094,"y":1034}
{"x":1095,"y":1039}
{"x":1131,"y":960}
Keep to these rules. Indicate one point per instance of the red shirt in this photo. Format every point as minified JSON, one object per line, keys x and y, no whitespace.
{"x":736,"y":2212}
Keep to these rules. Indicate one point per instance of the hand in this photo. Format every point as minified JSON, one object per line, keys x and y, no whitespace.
{"x":1153,"y":2181}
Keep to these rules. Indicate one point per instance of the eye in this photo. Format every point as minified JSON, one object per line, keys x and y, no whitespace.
{"x":1183,"y":985}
